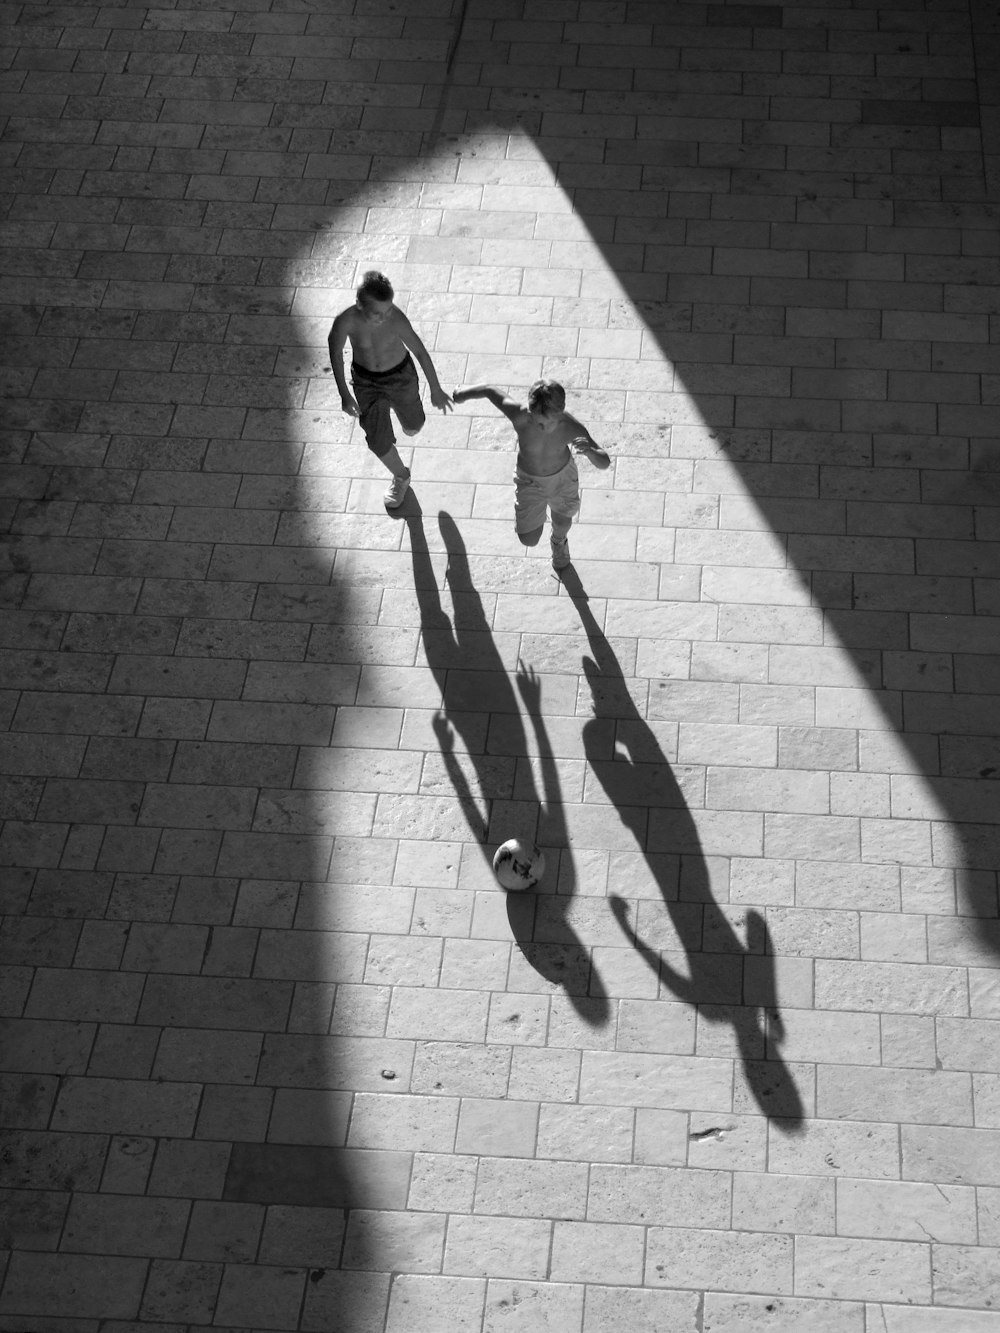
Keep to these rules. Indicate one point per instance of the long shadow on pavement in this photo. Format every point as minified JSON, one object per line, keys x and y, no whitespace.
{"x":727,"y":980}
{"x":466,"y":663}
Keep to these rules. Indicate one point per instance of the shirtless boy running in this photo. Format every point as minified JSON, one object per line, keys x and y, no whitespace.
{"x":546,"y":475}
{"x":383,"y":375}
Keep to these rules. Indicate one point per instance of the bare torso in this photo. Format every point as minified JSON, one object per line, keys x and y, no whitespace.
{"x":376,"y":346}
{"x":545,"y":452}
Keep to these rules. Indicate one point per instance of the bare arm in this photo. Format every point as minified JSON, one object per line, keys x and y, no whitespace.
{"x":411,"y":340}
{"x":584,"y":443}
{"x":337,"y":341}
{"x":510,"y":407}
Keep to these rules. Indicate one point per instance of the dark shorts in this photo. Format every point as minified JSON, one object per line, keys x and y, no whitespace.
{"x":376,"y":392}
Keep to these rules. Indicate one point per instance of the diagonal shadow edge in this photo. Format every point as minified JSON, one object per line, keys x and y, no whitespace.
{"x":963,"y":842}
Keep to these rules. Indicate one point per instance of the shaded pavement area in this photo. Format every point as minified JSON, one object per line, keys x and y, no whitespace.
{"x":277,"y":1052}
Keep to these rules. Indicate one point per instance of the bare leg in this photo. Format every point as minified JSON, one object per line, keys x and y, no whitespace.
{"x":529,"y":538}
{"x":561,"y":525}
{"x":394,"y":463}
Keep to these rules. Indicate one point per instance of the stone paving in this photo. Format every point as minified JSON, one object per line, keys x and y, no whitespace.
{"x":279,"y":1054}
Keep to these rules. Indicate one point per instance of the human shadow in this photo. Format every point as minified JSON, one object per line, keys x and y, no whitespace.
{"x":822,"y":380}
{"x":726,"y":980}
{"x":463,"y":656}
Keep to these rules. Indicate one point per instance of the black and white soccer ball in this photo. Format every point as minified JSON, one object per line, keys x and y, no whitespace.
{"x":518,"y":864}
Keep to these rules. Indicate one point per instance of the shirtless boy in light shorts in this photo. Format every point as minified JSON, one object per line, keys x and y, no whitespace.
{"x":545,"y":477}
{"x":383,"y":375}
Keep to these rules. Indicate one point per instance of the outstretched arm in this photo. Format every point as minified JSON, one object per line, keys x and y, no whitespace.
{"x":413,"y":342}
{"x":503,"y":402}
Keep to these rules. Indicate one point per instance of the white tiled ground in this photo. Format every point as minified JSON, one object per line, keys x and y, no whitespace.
{"x":280,"y":1054}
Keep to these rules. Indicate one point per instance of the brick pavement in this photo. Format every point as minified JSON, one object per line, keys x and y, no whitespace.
{"x":279,"y":1054}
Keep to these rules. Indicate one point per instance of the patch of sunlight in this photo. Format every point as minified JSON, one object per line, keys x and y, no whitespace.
{"x":571,"y":316}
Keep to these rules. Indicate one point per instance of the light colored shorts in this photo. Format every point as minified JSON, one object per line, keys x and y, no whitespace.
{"x":534,"y":495}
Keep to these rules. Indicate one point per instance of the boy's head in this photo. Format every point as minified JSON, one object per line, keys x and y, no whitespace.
{"x":375,"y":296}
{"x":546,"y":402}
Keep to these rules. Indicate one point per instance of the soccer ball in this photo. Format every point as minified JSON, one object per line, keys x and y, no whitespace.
{"x":518,"y":864}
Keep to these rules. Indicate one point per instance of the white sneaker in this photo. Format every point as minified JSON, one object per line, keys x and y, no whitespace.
{"x":395,"y":492}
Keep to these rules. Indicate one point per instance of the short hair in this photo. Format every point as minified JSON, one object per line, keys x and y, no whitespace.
{"x":375,"y":286}
{"x":546,"y":396}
